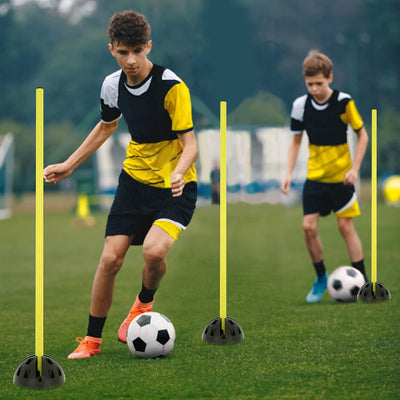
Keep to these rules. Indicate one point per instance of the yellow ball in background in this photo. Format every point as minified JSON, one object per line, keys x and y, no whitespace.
{"x":391,"y":190}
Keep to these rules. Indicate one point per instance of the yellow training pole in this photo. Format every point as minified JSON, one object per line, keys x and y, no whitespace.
{"x":222,"y":220}
{"x":223,"y":330}
{"x":39,"y":371}
{"x":39,"y":350}
{"x":374,"y":202}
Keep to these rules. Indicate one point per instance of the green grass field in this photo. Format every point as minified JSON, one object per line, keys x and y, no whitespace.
{"x":291,"y":350}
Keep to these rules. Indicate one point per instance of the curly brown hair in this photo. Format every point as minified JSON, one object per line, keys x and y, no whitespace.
{"x":129,"y":28}
{"x":316,"y":63}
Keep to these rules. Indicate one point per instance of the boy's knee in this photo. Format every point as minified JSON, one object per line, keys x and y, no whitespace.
{"x":111,"y":262}
{"x":153,"y":255}
{"x":309,"y":227}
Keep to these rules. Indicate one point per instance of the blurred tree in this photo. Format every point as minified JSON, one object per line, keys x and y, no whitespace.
{"x":382,"y":61}
{"x":226,"y":65}
{"x":388,"y":140}
{"x":224,"y":50}
{"x":262,"y":109}
{"x":21,"y":59}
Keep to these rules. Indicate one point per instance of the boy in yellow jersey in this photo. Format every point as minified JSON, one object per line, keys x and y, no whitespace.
{"x":325,"y":113}
{"x":157,"y":189}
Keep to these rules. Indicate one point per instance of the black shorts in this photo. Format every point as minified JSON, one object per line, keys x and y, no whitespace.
{"x":323,"y":198}
{"x":136,"y":206}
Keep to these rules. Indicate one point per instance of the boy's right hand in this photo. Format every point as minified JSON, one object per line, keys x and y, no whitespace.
{"x":285,"y":186}
{"x":56,"y":172}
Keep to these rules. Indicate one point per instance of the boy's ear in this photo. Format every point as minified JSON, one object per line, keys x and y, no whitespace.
{"x":111,"y":48}
{"x":149,"y":46}
{"x":330,"y":77}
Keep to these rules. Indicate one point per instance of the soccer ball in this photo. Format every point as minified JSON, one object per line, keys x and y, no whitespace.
{"x":391,"y":190}
{"x":151,"y":335}
{"x":344,"y":284}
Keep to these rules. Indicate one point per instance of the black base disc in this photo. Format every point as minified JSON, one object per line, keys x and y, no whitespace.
{"x":213,"y":332}
{"x":27,"y":374}
{"x":367,"y":295}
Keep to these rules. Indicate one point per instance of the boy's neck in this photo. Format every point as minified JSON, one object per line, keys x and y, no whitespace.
{"x":137,"y":80}
{"x":324,"y":99}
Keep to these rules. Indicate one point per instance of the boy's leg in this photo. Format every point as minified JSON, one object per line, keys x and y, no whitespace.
{"x":115,"y":248}
{"x":155,"y":247}
{"x":313,"y":241}
{"x":112,"y":258}
{"x":353,"y":243}
{"x":315,"y":249}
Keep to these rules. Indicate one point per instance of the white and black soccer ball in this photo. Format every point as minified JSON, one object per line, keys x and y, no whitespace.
{"x":151,"y":335}
{"x":344,"y":284}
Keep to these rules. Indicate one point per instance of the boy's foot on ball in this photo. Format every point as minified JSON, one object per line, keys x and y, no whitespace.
{"x":137,"y":309}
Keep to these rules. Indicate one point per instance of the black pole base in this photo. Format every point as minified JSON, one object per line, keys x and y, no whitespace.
{"x":213,"y":332}
{"x":27,"y":374}
{"x":366,"y":293}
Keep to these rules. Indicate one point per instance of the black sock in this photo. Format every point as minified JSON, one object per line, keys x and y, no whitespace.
{"x":360,"y":266}
{"x":146,"y":295}
{"x":96,"y":325}
{"x":320,"y":268}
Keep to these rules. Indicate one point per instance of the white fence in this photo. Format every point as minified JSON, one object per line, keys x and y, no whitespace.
{"x":256,"y":164}
{"x":6,"y":174}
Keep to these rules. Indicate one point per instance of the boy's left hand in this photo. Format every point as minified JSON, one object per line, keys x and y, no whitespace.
{"x":177,"y":184}
{"x":351,"y":177}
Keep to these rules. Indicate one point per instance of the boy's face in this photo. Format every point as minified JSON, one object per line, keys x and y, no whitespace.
{"x":318,"y":87}
{"x":132,"y":60}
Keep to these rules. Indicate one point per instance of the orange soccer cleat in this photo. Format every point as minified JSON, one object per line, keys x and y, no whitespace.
{"x":137,"y":309}
{"x":88,"y":347}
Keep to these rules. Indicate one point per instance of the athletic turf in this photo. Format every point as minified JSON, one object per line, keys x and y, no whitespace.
{"x":291,"y":350}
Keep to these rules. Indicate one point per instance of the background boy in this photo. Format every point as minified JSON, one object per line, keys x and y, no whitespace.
{"x":157,"y":188}
{"x":324,"y":114}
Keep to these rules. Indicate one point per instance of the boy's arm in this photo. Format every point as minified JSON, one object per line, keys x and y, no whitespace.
{"x":352,"y":174}
{"x":188,"y":157}
{"x":100,"y":133}
{"x":292,"y":157}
